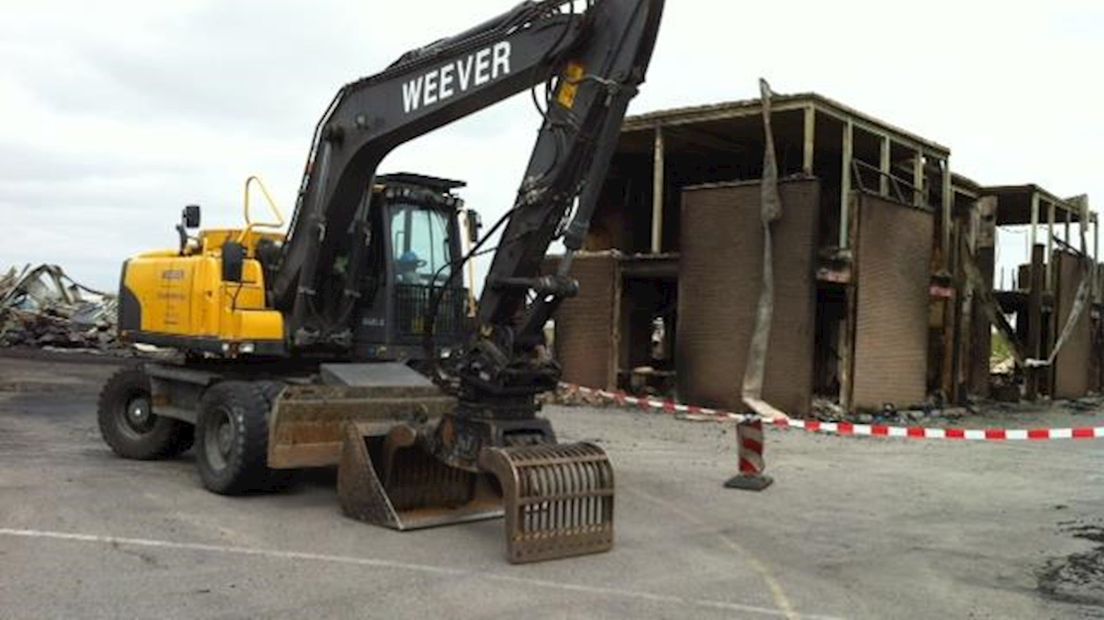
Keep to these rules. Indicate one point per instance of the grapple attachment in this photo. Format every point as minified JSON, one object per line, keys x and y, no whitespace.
{"x":558,"y":499}
{"x":392,"y":481}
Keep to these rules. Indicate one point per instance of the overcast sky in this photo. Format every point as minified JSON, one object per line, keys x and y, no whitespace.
{"x":115,"y":114}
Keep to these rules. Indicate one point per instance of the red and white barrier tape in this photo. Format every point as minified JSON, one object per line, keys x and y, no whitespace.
{"x":845,"y":429}
{"x":848,"y":429}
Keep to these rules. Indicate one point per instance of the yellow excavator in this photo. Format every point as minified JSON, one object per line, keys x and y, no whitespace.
{"x":347,"y":341}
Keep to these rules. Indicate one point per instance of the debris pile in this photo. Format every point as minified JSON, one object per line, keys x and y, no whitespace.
{"x":570,"y":396}
{"x":42,"y":307}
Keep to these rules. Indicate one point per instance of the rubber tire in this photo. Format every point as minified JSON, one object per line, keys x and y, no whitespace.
{"x":245,"y":469}
{"x":166,"y":437}
{"x":278,"y":479}
{"x":271,"y":390}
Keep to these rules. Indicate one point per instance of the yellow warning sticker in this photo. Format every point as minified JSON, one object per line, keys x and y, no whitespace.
{"x":569,"y":85}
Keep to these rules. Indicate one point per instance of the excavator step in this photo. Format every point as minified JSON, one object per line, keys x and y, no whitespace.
{"x":558,"y":499}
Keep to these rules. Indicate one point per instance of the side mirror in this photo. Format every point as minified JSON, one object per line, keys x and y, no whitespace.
{"x":190,"y":217}
{"x":475,"y":224}
{"x":233,"y":261}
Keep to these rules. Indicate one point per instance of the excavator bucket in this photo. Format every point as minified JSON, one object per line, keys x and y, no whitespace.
{"x":393,"y":482}
{"x":364,"y":420}
{"x":558,"y":499}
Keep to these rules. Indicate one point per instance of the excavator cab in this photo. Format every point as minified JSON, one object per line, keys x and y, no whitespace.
{"x":422,"y":229}
{"x":414,"y":231}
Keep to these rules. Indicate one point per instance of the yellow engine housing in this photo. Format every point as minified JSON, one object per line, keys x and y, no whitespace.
{"x":174,"y":299}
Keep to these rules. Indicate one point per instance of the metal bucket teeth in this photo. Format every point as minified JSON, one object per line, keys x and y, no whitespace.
{"x":558,"y":499}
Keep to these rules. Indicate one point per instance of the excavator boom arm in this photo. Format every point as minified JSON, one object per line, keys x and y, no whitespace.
{"x":595,"y":56}
{"x":558,"y":498}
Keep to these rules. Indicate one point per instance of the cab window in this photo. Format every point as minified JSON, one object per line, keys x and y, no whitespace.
{"x":420,"y":241}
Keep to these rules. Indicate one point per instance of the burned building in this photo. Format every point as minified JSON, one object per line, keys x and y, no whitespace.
{"x":869,"y":304}
{"x":1049,"y":300}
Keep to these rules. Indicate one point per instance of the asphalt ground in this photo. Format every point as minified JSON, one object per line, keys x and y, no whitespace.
{"x":852,"y":528}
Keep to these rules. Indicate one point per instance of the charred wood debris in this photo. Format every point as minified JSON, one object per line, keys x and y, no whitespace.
{"x":42,"y":307}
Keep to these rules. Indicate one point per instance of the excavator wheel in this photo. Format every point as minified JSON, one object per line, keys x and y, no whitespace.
{"x":278,"y":479}
{"x":128,"y":424}
{"x":232,"y":438}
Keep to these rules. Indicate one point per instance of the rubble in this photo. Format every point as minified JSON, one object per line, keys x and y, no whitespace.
{"x":42,"y":307}
{"x":570,"y":396}
{"x":828,"y":410}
